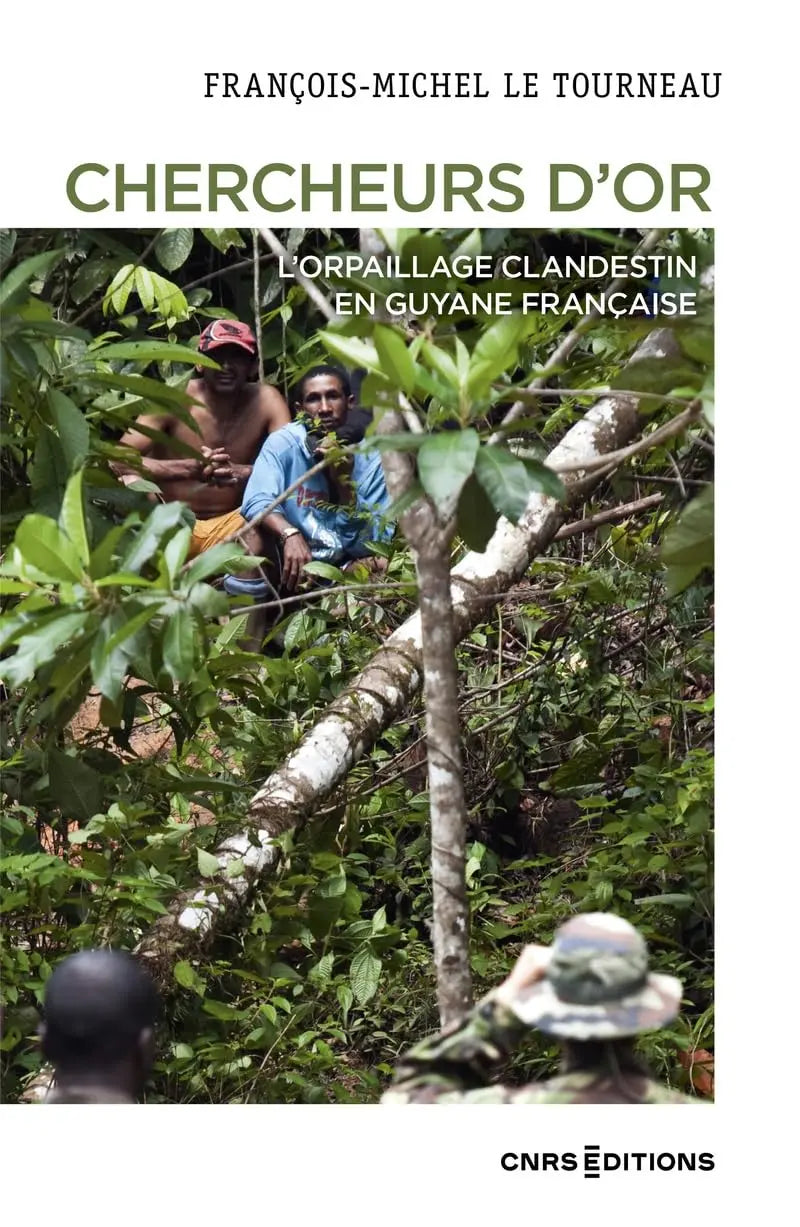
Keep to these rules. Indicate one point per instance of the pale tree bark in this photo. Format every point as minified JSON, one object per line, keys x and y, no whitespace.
{"x":383,"y":689}
{"x":429,"y":540}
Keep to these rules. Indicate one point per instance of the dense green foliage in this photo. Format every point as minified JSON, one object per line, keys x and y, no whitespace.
{"x":136,"y":728}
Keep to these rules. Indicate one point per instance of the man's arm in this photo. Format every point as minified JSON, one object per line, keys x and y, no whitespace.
{"x":273,"y":407}
{"x":141,"y":440}
{"x":267,"y":480}
{"x":459,"y":1059}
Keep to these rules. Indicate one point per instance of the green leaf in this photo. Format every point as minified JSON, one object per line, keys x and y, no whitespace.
{"x":163,"y":519}
{"x":207,"y":864}
{"x":8,"y":241}
{"x":109,"y":664}
{"x":43,"y":545}
{"x":75,"y":787}
{"x":72,"y":520}
{"x":333,"y":886}
{"x":505,"y":479}
{"x":218,"y":558}
{"x":176,"y":549}
{"x":365,"y":974}
{"x":543,"y":479}
{"x":405,"y":442}
{"x":442,"y":363}
{"x":396,"y":361}
{"x":326,"y":571}
{"x":129,"y":628}
{"x":321,"y":971}
{"x":222,"y":239}
{"x":172,"y":398}
{"x":48,"y":473}
{"x":185,"y":974}
{"x":688,"y":546}
{"x":34,"y":266}
{"x":668,"y":900}
{"x":38,"y":645}
{"x":697,"y":341}
{"x":444,"y":463}
{"x":72,"y":427}
{"x":344,"y":995}
{"x":351,"y":350}
{"x":659,"y":375}
{"x":117,"y":294}
{"x":145,"y":288}
{"x":469,"y":246}
{"x":152,"y":351}
{"x":170,"y":300}
{"x":220,"y":1009}
{"x":476,"y":517}
{"x":396,"y":239}
{"x":496,"y":350}
{"x":91,"y":276}
{"x":179,"y":645}
{"x":173,"y":248}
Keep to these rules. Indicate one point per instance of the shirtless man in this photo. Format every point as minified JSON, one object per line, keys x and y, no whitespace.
{"x":231,"y":422}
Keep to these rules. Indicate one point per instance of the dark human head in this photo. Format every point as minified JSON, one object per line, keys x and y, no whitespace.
{"x":324,"y":393}
{"x":99,"y":1017}
{"x":233,"y":345}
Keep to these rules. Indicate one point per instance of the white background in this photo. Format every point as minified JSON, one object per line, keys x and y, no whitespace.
{"x":107,"y":83}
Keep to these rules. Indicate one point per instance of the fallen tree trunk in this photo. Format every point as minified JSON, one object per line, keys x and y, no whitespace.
{"x":381,"y":692}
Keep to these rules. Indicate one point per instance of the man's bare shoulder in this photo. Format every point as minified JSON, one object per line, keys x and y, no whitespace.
{"x":272,"y":407}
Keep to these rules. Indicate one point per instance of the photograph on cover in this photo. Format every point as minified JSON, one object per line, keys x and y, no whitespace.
{"x":357,"y":666}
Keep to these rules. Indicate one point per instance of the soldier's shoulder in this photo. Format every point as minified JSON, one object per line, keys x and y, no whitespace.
{"x":656,"y":1093}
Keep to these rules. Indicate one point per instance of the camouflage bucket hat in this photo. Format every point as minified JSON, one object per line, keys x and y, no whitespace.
{"x":597,"y":984}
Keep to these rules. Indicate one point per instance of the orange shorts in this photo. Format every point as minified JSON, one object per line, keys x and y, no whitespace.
{"x":210,"y":532}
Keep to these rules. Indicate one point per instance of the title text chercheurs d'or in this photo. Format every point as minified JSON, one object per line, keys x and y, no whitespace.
{"x":374,"y":187}
{"x":299,"y":86}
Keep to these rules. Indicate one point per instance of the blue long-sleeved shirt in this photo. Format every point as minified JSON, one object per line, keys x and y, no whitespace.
{"x":334,"y":534}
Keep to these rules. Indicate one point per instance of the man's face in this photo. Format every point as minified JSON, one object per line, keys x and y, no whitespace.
{"x":324,"y":398}
{"x":237,"y":367}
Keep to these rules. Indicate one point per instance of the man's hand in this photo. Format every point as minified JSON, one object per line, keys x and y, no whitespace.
{"x":231,"y":475}
{"x":215,"y":459}
{"x":340,"y":471}
{"x":530,"y":967}
{"x":295,"y":556}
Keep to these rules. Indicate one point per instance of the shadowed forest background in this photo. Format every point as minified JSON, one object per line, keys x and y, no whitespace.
{"x":136,"y":729}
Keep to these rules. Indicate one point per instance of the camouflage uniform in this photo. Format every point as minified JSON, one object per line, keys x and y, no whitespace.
{"x":597,"y":987}
{"x":455,"y":1065}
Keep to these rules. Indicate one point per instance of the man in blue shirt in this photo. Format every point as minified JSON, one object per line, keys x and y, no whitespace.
{"x":334,"y":514}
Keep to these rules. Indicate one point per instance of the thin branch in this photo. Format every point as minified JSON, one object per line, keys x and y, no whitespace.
{"x":257,"y":306}
{"x":410,"y":415}
{"x":557,"y":358}
{"x":589,"y":394}
{"x":609,"y":516}
{"x":612,"y":459}
{"x":316,"y":296}
{"x":317,"y":593}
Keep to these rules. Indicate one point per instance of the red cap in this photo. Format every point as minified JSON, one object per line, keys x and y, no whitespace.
{"x":227,"y":332}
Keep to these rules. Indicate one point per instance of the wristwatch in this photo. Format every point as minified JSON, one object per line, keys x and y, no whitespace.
{"x":288,"y":532}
